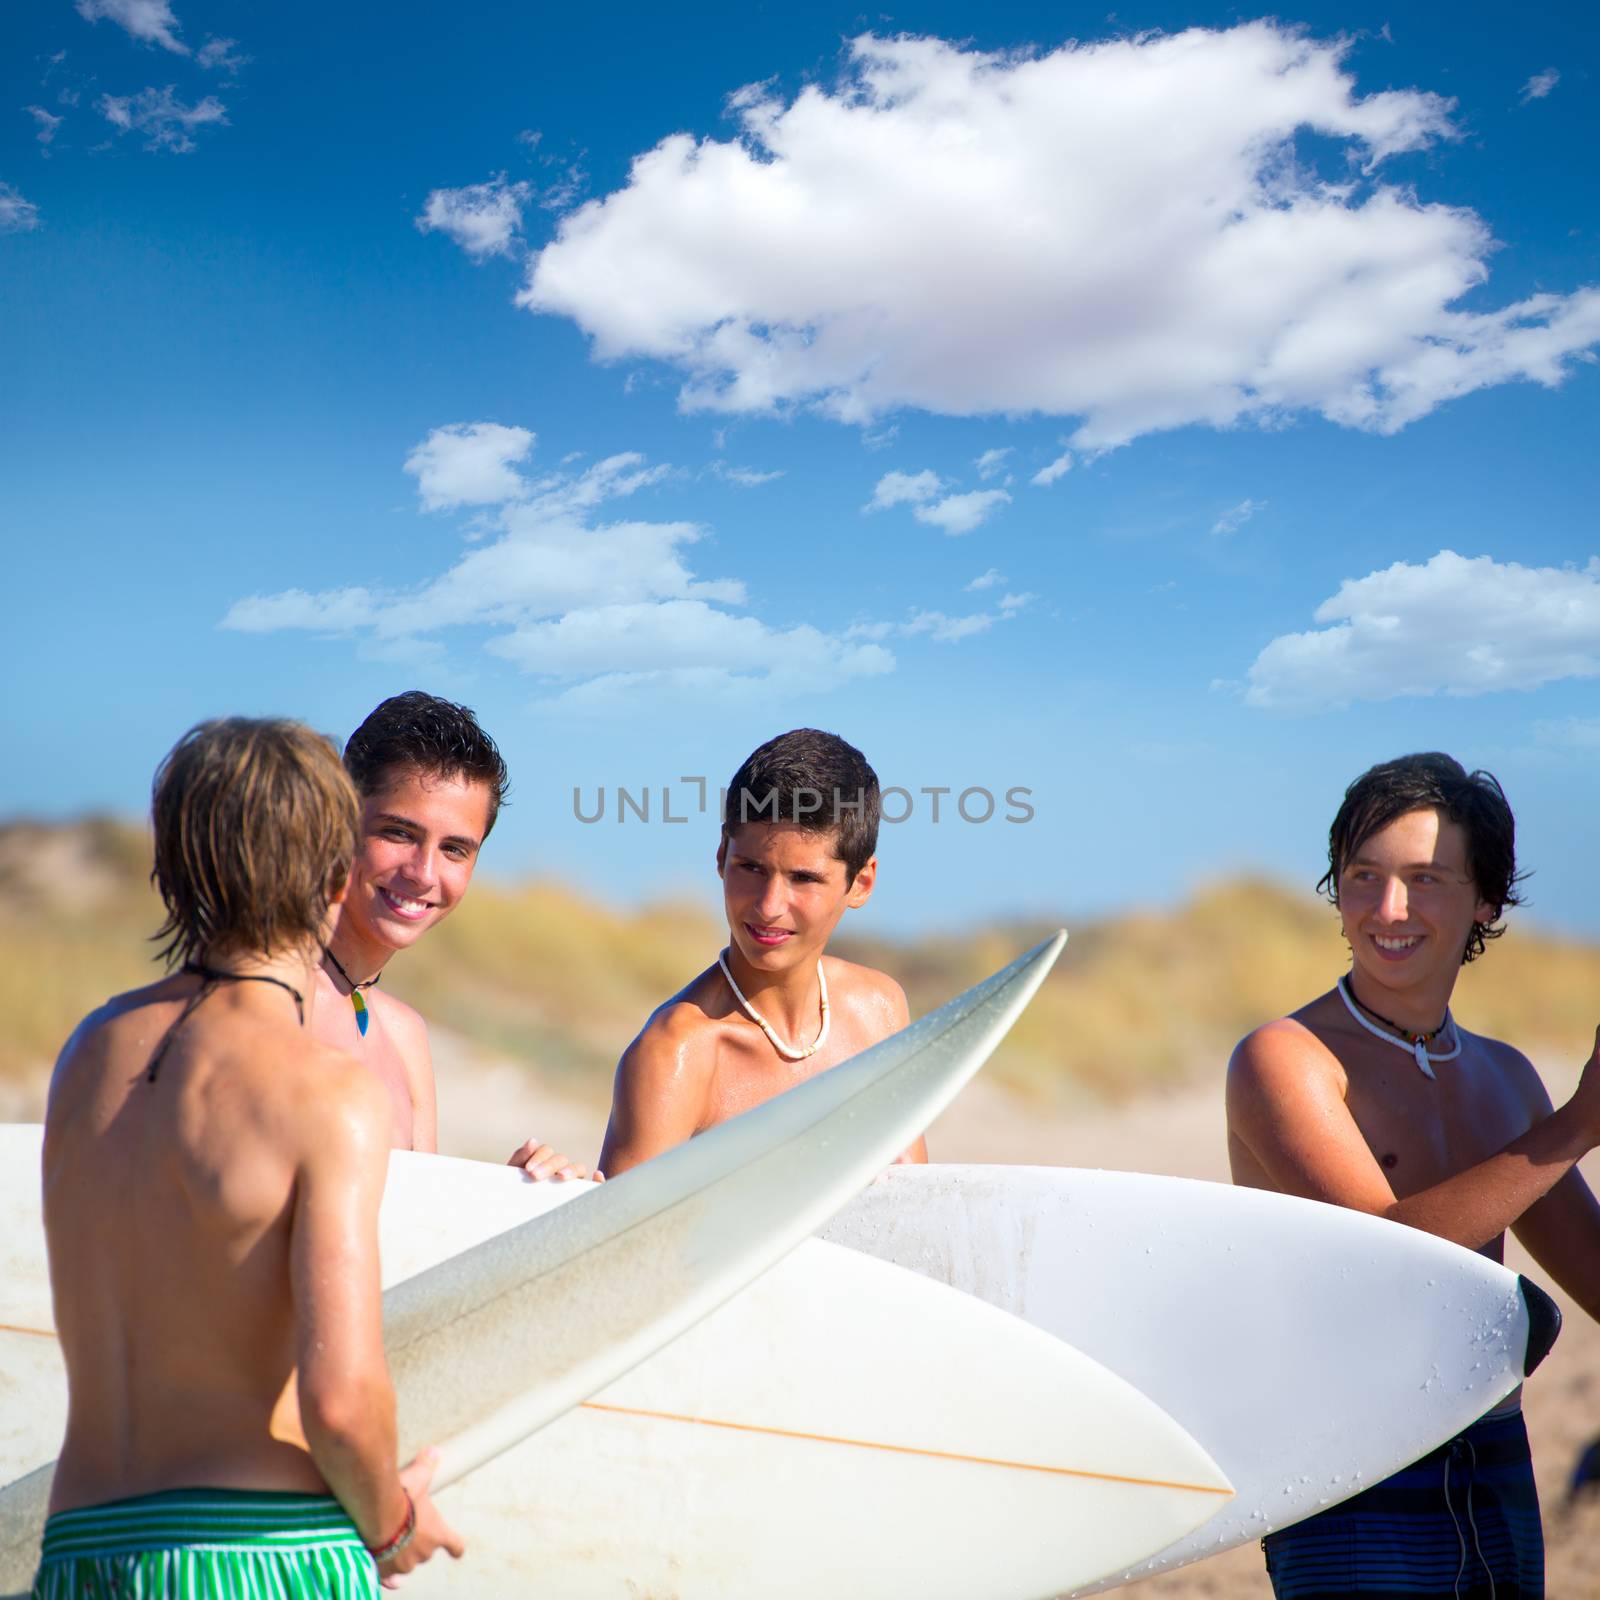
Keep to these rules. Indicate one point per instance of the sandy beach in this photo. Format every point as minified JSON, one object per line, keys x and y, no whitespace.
{"x":1180,"y":1133}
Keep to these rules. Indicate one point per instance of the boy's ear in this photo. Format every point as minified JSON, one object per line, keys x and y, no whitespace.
{"x":861,"y":890}
{"x":722,"y":854}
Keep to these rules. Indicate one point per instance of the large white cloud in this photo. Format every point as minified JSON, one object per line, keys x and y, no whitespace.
{"x":1454,"y":625}
{"x":150,"y":21}
{"x":469,"y":464}
{"x":609,"y":609}
{"x":1124,"y":232}
{"x":483,"y":218}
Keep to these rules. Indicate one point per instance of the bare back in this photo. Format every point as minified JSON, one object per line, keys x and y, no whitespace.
{"x":172,"y":1211}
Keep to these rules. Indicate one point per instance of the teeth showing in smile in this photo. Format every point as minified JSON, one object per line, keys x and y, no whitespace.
{"x":400,"y":903}
{"x":1408,"y":942}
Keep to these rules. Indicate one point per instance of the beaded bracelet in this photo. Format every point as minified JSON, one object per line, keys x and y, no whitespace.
{"x":407,"y":1532}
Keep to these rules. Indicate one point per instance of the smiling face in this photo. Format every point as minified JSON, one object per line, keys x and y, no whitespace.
{"x":1408,"y":902}
{"x":784,"y":891}
{"x":420,"y":836}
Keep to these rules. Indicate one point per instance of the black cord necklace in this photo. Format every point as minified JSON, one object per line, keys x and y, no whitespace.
{"x":363,"y":1016}
{"x":1410,"y":1035}
{"x":210,"y":977}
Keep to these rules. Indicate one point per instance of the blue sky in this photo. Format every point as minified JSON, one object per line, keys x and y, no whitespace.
{"x":1170,"y":413}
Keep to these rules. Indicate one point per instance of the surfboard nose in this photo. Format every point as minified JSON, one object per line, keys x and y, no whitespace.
{"x":1544,"y":1323}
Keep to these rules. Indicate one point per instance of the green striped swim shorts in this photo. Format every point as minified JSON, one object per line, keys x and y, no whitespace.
{"x":206,"y":1544}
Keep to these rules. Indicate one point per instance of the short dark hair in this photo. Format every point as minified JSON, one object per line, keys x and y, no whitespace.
{"x":421,"y":732}
{"x":1433,"y":781}
{"x":255,"y":829}
{"x":815,"y":781}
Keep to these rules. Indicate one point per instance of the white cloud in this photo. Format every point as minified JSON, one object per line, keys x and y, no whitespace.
{"x":47,"y":123}
{"x":961,"y":513}
{"x":1454,"y":625}
{"x":164,"y":120}
{"x":483,"y":218}
{"x":613,"y":605}
{"x":915,"y":235}
{"x":992,"y":462}
{"x":1540,"y":85}
{"x":1010,"y":604}
{"x":745,"y":477}
{"x":987,"y":580}
{"x":221,"y":55}
{"x":904,"y":488}
{"x":469,"y":464}
{"x":1235,"y":517}
{"x":150,"y":21}
{"x":1058,"y":468}
{"x":17,"y":215}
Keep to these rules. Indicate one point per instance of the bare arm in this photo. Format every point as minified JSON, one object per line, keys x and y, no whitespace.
{"x":657,"y":1101}
{"x":897,"y":1016}
{"x":1285,"y":1104}
{"x":347,"y":1405}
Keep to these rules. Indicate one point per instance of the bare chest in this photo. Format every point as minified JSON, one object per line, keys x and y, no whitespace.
{"x":1422,"y":1131}
{"x":749,"y":1072}
{"x":336,"y":1024}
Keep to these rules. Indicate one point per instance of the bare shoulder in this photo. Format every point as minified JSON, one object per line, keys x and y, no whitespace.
{"x":1280,"y":1056}
{"x":677,"y":1044}
{"x":872,"y":995}
{"x":403,"y":1024}
{"x":330,"y":1106}
{"x":1512,"y":1068}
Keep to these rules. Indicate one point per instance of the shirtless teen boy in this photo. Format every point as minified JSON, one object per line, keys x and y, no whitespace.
{"x":431,"y":783}
{"x":799,"y":830}
{"x":1373,"y":1097}
{"x":212,"y":1174}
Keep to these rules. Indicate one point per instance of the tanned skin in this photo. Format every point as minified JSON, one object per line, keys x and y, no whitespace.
{"x":213,"y":1242}
{"x":421,"y":835}
{"x":700,"y":1059}
{"x":1319,"y":1107}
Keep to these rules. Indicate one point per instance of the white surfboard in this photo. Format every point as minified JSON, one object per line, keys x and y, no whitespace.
{"x":1310,"y":1349}
{"x":478,"y":1358}
{"x":806,"y":1435}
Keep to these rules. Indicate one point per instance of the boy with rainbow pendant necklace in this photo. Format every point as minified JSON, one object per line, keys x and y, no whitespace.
{"x":431,"y":783}
{"x":797,"y":851}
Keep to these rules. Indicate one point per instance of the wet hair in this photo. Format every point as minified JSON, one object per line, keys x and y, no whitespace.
{"x":1432,"y":781}
{"x":815,"y":781}
{"x":255,"y":829}
{"x":420,"y":732}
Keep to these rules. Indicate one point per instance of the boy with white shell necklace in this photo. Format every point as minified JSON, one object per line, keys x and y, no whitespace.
{"x":797,"y":851}
{"x":1374,"y":1097}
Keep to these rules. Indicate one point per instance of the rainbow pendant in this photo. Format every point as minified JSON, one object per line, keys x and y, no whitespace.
{"x":363,"y":1017}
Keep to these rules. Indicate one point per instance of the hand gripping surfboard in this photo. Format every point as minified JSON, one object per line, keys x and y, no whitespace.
{"x":548,"y":1313}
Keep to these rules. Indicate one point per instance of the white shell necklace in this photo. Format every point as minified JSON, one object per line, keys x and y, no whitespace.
{"x":1416,"y":1043}
{"x":767,"y":1028}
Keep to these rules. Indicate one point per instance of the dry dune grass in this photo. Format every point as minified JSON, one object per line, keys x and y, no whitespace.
{"x":543,"y":975}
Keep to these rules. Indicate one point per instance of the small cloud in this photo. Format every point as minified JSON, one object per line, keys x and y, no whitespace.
{"x":1540,"y":84}
{"x":744,"y":477}
{"x":16,"y":214}
{"x":149,"y":21}
{"x":1235,"y":517}
{"x":1011,"y":604}
{"x":948,"y":630}
{"x":904,"y":488}
{"x":992,"y":462}
{"x":1569,"y":733}
{"x":47,"y":124}
{"x":469,"y":464}
{"x":1058,"y":468}
{"x":164,"y":120}
{"x":483,"y":218}
{"x":881,"y":438}
{"x":221,"y":55}
{"x":961,"y":513}
{"x":986,"y":580}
